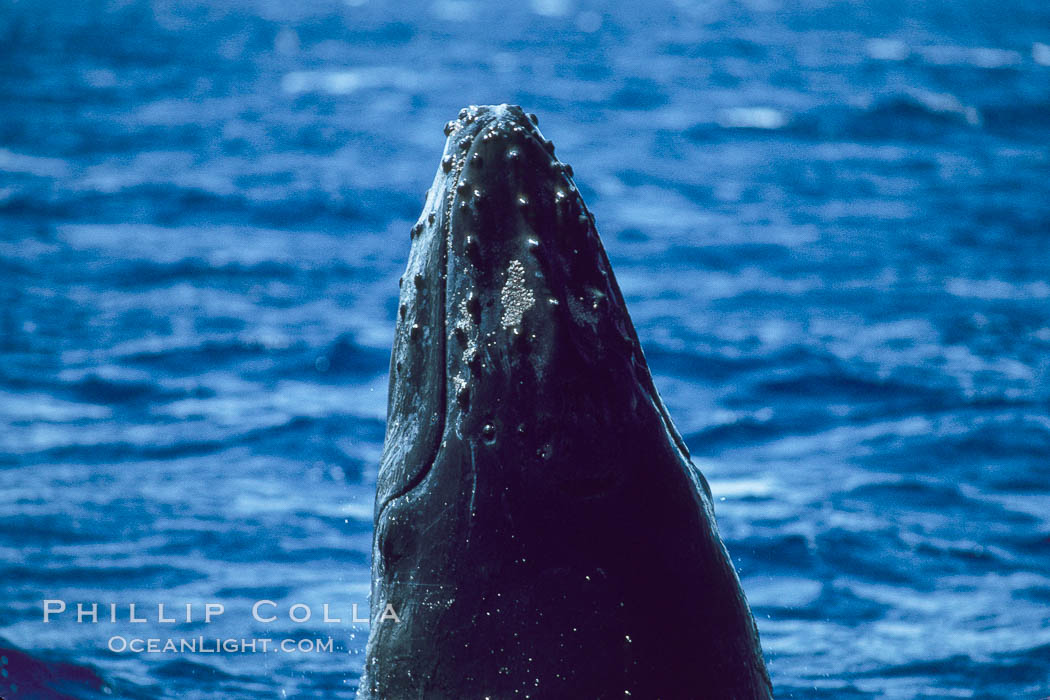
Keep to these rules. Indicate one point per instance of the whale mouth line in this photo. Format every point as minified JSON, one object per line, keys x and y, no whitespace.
{"x":477,"y":122}
{"x":448,"y":200}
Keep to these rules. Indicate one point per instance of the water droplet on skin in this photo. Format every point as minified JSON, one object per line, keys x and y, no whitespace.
{"x":464,"y":144}
{"x":463,"y":113}
{"x":520,"y":341}
{"x":463,"y":187}
{"x":473,"y":249}
{"x":463,"y":398}
{"x":476,"y":160}
{"x":488,"y":433}
{"x":513,"y":155}
{"x":416,"y":332}
{"x":523,"y":201}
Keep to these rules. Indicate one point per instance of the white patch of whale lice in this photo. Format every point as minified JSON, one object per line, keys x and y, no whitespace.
{"x":516,"y":297}
{"x":467,"y":327}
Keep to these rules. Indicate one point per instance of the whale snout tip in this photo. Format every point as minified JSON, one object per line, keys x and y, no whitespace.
{"x":505,"y":124}
{"x":505,"y":112}
{"x":500,"y":179}
{"x":504,"y":142}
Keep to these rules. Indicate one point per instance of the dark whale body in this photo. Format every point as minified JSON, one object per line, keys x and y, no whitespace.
{"x":540,"y":530}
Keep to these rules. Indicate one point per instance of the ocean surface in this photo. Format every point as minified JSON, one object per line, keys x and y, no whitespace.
{"x":831,"y":223}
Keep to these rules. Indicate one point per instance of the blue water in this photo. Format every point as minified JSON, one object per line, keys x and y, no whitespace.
{"x":830,"y":223}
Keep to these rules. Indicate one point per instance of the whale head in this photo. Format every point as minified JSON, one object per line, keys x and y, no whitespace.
{"x":535,"y":505}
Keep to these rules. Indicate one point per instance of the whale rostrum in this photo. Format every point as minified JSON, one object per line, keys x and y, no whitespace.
{"x":540,"y":530}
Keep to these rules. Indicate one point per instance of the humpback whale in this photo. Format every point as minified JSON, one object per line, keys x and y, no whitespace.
{"x":540,"y":530}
